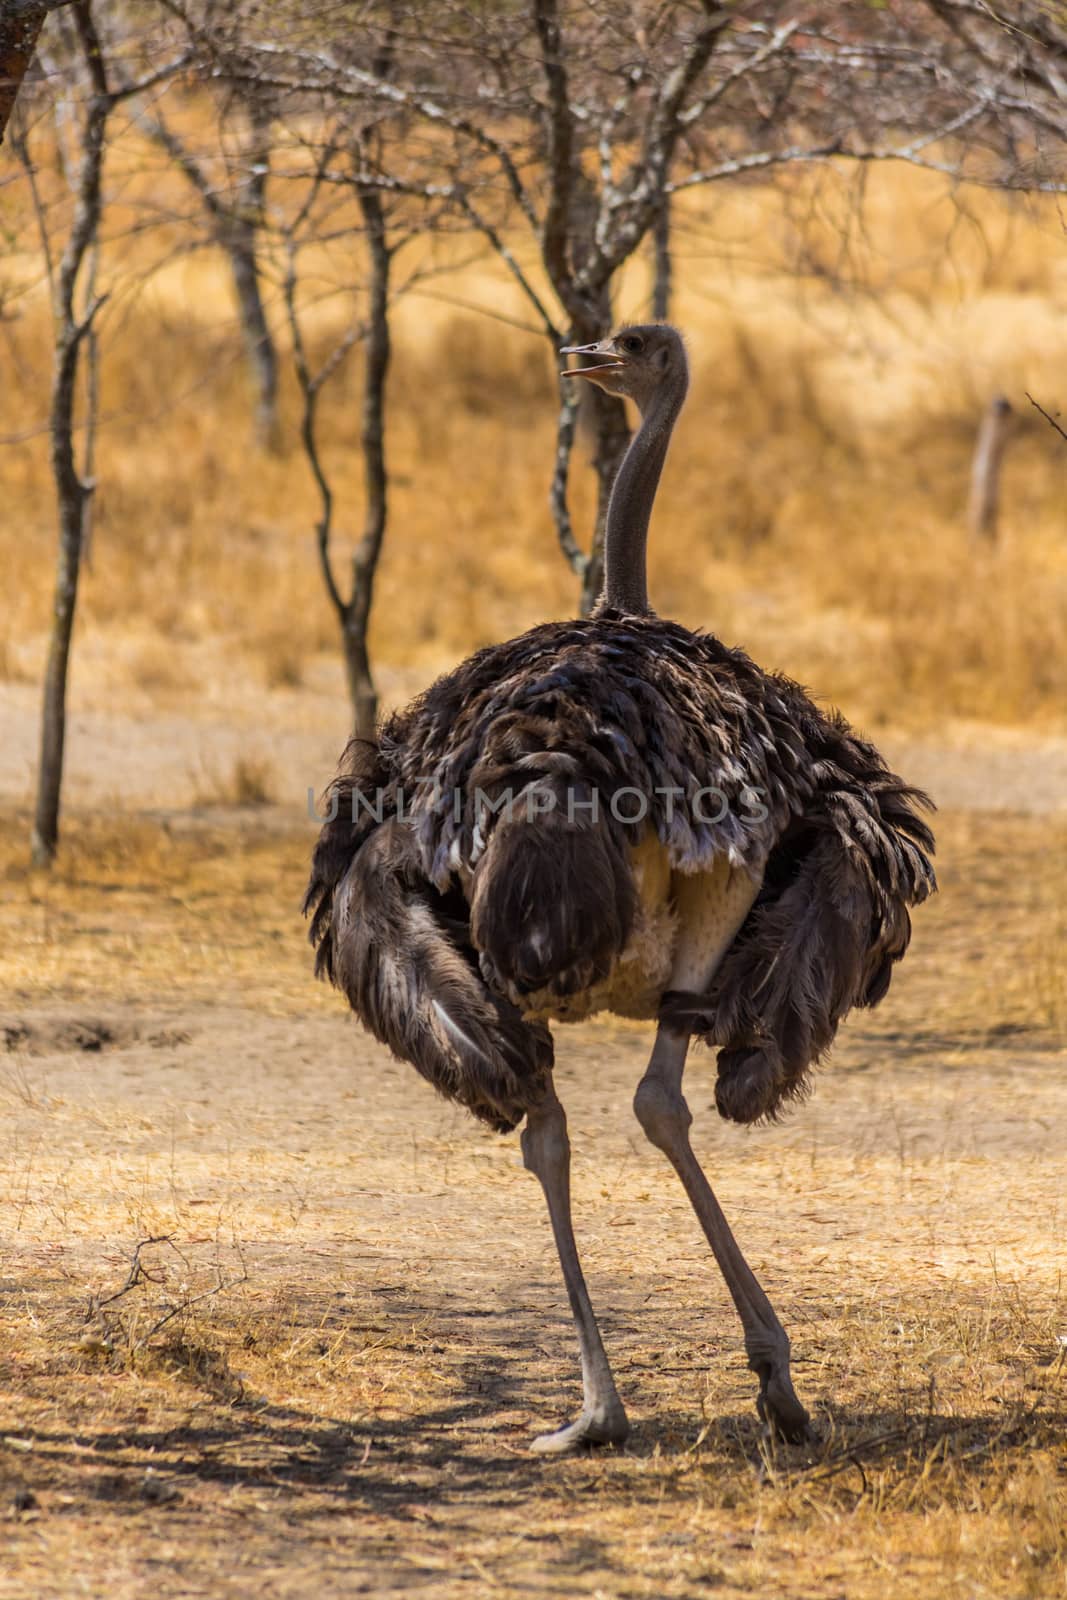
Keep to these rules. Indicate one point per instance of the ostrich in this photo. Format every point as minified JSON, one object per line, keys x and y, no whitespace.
{"x":619,"y":814}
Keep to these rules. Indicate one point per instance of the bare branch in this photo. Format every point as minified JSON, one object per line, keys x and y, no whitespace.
{"x":1013,"y":182}
{"x":506,"y":255}
{"x":151,"y":80}
{"x":1049,"y":419}
{"x":775,"y":44}
{"x":20,"y":144}
{"x":646,"y":183}
{"x":754,"y":163}
{"x":184,"y":160}
{"x":458,"y":195}
{"x":954,"y":125}
{"x":664,"y":130}
{"x":310,"y":387}
{"x":566,"y":423}
{"x":351,"y":82}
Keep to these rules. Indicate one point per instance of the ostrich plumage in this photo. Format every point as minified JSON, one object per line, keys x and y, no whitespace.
{"x":619,"y":814}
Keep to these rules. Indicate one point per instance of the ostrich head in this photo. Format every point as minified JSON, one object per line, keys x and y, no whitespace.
{"x":639,"y":362}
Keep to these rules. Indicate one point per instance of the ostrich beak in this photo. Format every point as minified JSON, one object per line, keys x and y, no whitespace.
{"x":607,"y":360}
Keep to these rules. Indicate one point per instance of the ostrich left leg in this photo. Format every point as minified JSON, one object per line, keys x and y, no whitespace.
{"x":547,"y":1153}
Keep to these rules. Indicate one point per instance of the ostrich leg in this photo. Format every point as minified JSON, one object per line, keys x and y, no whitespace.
{"x":661,"y":1109}
{"x":546,"y":1152}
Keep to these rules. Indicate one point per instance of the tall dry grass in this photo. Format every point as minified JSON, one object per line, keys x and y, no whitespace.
{"x":812,"y":509}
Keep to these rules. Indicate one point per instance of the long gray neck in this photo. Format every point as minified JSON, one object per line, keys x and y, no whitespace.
{"x":630,"y":506}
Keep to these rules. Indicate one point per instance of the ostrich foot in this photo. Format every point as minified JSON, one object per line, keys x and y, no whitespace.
{"x":780,"y":1409}
{"x":591,"y":1428}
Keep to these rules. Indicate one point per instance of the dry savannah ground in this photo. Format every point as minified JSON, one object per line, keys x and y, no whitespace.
{"x":276,"y":1321}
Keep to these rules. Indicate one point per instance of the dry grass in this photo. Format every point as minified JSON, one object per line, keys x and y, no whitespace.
{"x":1048,"y":964}
{"x":161,"y":670}
{"x":283,"y":659}
{"x":250,"y":781}
{"x":204,"y":911}
{"x":344,"y":1449}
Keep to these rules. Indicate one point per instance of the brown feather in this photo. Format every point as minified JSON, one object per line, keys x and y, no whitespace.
{"x":485,"y":907}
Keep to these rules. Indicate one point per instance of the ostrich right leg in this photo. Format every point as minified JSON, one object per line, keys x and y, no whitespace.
{"x":711,"y":908}
{"x":662,"y":1112}
{"x":546,"y":1152}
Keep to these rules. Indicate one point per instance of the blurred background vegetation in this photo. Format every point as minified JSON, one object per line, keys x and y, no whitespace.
{"x":814,"y":508}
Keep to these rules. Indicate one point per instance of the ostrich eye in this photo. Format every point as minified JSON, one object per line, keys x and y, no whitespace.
{"x":632,"y":344}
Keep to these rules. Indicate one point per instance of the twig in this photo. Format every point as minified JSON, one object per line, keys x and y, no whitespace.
{"x":220,"y":1286}
{"x":1050,"y":420}
{"x":138,"y":1275}
{"x":777,"y":42}
{"x":134,"y":1277}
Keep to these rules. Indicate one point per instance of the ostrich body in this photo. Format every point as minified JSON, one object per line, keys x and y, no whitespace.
{"x":619,"y":814}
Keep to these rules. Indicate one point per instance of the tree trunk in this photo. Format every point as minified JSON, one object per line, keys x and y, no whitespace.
{"x":238,"y":238}
{"x":72,"y":496}
{"x":21,"y":22}
{"x":71,"y":493}
{"x":361,"y":688}
{"x":983,"y":509}
{"x":236,"y":228}
{"x":372,"y":439}
{"x":661,"y":247}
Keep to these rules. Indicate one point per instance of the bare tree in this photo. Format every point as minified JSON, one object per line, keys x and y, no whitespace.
{"x":584,"y":230}
{"x":352,"y":604}
{"x":79,"y":71}
{"x":73,"y":313}
{"x":983,"y":506}
{"x":557,"y":139}
{"x":235,"y":208}
{"x":550,"y":126}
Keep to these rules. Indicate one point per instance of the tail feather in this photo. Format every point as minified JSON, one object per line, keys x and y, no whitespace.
{"x":823,"y":936}
{"x":395,"y":953}
{"x":553,"y":898}
{"x":353,"y":811}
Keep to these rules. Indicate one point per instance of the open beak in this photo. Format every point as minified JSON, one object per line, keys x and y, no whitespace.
{"x":607,"y":360}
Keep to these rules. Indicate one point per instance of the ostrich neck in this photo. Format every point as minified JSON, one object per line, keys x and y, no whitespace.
{"x":630,"y":506}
